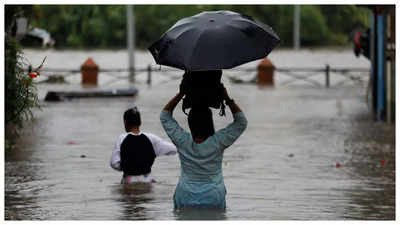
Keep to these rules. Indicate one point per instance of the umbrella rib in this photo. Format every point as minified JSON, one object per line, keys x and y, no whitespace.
{"x":182,"y":56}
{"x":195,"y":48}
{"x":180,"y":22}
{"x":176,"y":27}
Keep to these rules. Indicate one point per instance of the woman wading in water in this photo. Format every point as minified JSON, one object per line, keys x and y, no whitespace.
{"x":201,"y":184}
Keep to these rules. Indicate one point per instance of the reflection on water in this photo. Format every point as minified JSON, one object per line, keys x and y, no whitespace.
{"x":200,"y":214}
{"x":132,"y":197}
{"x":20,"y":191}
{"x":281,"y":168}
{"x":23,"y":183}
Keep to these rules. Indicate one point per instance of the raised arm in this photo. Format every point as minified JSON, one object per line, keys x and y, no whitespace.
{"x":170,"y":106}
{"x":230,"y":102}
{"x":228,"y":135}
{"x":183,"y":89}
{"x":170,"y":125}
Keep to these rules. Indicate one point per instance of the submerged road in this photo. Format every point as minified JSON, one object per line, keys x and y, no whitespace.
{"x":309,"y":153}
{"x":282,"y":168}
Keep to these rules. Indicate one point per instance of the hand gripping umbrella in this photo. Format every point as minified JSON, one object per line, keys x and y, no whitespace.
{"x":214,"y":40}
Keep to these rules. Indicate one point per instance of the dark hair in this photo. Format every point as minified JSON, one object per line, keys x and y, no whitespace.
{"x":201,"y":122}
{"x":132,"y":118}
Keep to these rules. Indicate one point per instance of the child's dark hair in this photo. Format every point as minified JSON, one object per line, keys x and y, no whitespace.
{"x":201,"y":122}
{"x":132,"y":118}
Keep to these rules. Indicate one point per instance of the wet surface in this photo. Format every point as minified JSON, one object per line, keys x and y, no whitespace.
{"x":284,"y":167}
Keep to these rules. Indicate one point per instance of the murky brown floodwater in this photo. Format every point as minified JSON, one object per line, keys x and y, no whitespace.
{"x":282,"y":168}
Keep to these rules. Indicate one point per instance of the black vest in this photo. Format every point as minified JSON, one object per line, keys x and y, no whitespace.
{"x":137,"y":155}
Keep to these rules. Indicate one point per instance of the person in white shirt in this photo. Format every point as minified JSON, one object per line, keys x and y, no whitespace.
{"x":134,"y":151}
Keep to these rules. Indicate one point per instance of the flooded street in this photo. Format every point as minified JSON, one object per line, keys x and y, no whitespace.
{"x":284,"y":166}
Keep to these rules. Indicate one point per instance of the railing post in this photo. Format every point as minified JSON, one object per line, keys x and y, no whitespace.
{"x":149,"y":75}
{"x":327,"y":70}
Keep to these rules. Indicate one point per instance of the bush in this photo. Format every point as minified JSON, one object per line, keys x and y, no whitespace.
{"x":20,"y":92}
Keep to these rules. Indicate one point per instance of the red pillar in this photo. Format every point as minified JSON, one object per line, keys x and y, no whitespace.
{"x":89,"y":70}
{"x":266,"y":73}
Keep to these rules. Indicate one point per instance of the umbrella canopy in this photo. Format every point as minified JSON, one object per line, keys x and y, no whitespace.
{"x":214,"y":40}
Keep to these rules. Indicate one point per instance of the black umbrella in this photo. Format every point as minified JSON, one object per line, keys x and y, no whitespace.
{"x":214,"y":40}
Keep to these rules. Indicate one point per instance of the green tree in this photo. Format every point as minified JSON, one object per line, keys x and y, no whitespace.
{"x":341,"y":20}
{"x":105,"y":25}
{"x":313,"y":26}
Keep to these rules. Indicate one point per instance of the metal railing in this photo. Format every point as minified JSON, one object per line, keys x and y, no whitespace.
{"x":318,"y":77}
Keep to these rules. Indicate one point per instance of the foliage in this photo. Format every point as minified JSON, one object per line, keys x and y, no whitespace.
{"x":105,"y":25}
{"x":317,"y":33}
{"x":343,"y":20}
{"x":21,"y":93}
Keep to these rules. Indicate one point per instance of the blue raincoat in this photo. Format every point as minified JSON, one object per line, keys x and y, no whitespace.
{"x":201,"y":183}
